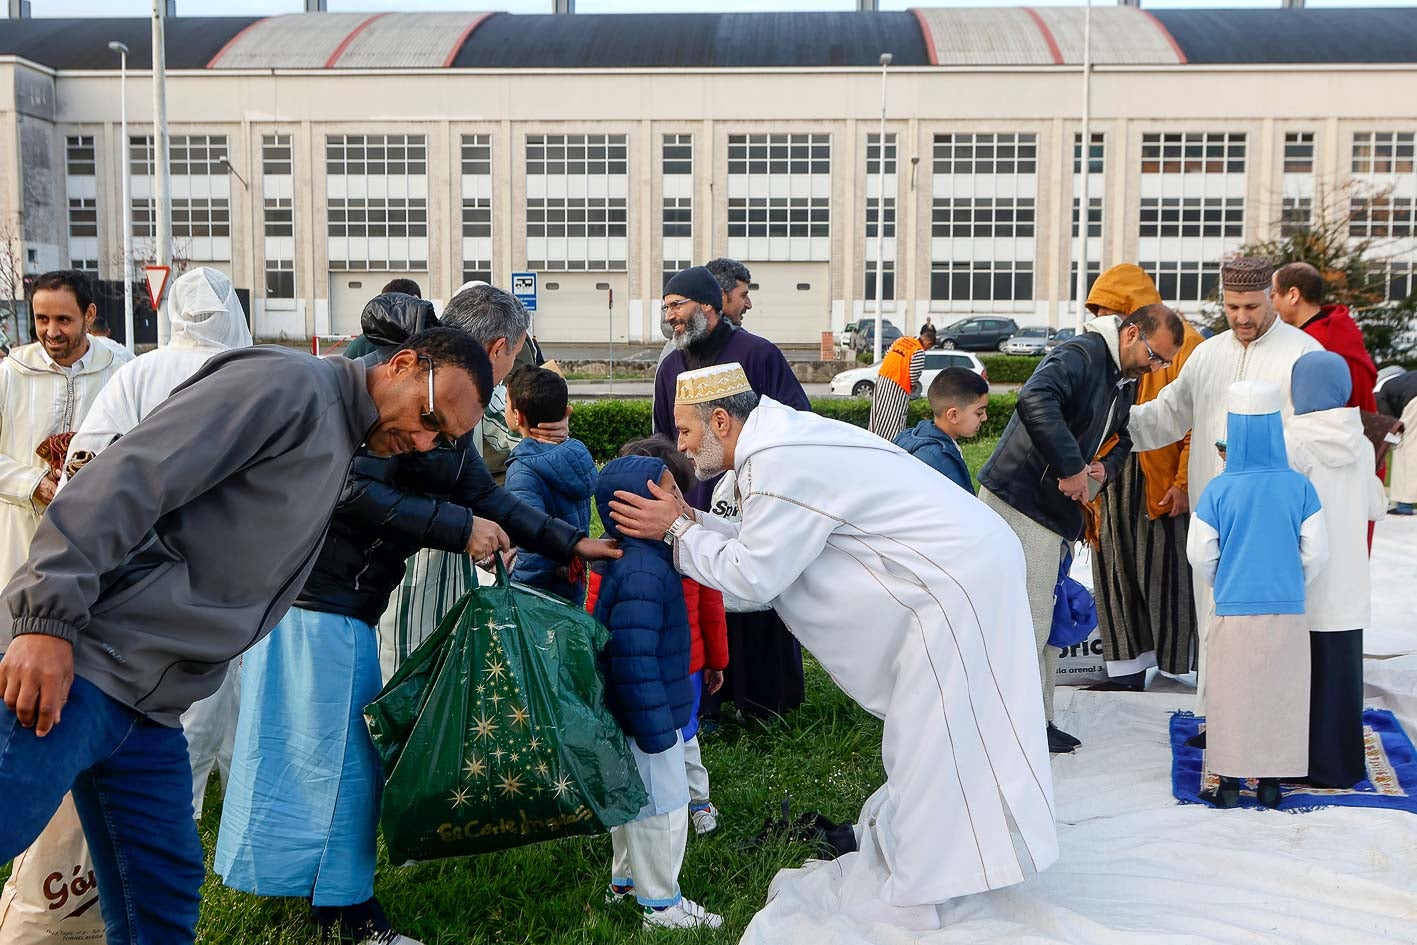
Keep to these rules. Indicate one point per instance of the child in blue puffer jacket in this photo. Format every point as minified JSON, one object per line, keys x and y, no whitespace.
{"x":641,"y":602}
{"x":557,"y":478}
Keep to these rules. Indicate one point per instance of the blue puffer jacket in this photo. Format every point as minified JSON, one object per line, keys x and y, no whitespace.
{"x":557,"y":479}
{"x":934,"y":447}
{"x":642,"y":603}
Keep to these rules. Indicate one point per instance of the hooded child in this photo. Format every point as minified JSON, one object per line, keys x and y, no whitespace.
{"x":1258,"y":536}
{"x":641,"y":601}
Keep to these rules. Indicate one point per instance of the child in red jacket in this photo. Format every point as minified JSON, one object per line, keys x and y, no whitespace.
{"x":709,"y":628}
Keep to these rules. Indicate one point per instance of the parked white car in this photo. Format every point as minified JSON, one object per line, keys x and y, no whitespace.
{"x":861,"y":382}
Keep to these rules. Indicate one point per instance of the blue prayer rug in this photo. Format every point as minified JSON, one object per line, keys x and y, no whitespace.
{"x":1391,"y":781}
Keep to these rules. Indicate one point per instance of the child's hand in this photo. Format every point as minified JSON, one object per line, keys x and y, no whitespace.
{"x":713,"y":680}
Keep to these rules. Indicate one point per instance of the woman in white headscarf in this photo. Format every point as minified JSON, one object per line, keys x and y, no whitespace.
{"x":206,"y":318}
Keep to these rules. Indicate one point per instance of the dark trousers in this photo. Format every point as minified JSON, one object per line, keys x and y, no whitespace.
{"x":1336,"y":754}
{"x":132,"y":786}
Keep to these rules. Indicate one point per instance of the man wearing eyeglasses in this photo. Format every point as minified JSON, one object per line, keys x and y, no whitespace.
{"x":183,"y":546}
{"x":301,"y":812}
{"x":1140,"y":573}
{"x":1044,"y":469}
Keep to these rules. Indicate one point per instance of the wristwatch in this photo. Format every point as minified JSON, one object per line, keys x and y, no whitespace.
{"x":680,"y":526}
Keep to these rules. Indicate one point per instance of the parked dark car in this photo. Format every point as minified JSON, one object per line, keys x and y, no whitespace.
{"x":983,"y":333}
{"x":864,"y":339}
{"x":1060,"y":336}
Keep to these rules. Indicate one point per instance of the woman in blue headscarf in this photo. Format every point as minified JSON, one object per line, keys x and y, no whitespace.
{"x":1326,"y":444}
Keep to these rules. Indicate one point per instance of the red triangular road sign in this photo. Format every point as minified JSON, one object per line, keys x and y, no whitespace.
{"x":157,"y":282}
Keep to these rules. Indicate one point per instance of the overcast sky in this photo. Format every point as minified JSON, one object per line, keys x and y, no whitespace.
{"x":240,"y":7}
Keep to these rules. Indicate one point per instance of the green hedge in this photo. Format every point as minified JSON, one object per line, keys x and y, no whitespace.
{"x":1009,"y":368}
{"x":605,"y":425}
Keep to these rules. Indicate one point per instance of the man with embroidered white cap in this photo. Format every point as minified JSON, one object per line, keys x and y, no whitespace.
{"x":1258,"y":347}
{"x":927,"y":628}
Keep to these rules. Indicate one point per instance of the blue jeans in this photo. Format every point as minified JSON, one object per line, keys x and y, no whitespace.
{"x":132,"y":786}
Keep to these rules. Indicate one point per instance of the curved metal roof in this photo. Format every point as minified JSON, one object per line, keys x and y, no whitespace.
{"x":943,"y":36}
{"x":693,"y":40}
{"x":1286,"y":36}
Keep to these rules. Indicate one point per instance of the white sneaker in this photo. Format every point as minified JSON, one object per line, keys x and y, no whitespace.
{"x":706,"y":820}
{"x":390,"y":938}
{"x":684,"y":914}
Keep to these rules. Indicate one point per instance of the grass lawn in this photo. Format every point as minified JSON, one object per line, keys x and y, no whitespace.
{"x":826,"y":757}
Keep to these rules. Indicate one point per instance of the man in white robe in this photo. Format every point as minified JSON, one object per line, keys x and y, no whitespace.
{"x":1258,"y":347}
{"x":927,"y":627}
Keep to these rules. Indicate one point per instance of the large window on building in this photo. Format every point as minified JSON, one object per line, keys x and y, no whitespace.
{"x":577,"y":204}
{"x":779,"y":197}
{"x":1384,"y":205}
{"x":1296,"y":211}
{"x":677,"y":210}
{"x":1096,"y":187}
{"x":1192,"y":210}
{"x":81,"y":189}
{"x":377,"y":202}
{"x":875,"y":171}
{"x":983,"y":239}
{"x":201,"y":197}
{"x":477,"y":208}
{"x":278,"y":208}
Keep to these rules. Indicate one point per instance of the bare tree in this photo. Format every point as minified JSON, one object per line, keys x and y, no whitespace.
{"x":12,"y":283}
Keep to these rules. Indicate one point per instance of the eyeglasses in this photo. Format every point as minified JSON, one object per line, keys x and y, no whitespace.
{"x":429,"y":417}
{"x":668,"y":307}
{"x":1155,"y":358}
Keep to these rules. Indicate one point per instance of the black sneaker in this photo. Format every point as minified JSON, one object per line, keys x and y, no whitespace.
{"x":1059,"y":741}
{"x":1197,"y":740}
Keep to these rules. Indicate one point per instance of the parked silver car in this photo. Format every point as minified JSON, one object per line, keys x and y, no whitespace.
{"x":1028,"y":341}
{"x":1059,"y":336}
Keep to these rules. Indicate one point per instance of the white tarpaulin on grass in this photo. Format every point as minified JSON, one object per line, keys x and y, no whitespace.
{"x":1136,"y":867}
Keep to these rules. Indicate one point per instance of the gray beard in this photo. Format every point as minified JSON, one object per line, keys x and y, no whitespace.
{"x":696,"y":330}
{"x":708,"y":461}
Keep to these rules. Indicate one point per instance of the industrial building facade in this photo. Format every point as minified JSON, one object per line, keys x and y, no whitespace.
{"x":316,"y":156}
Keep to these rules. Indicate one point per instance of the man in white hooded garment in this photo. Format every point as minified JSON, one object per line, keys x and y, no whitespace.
{"x":927,"y":627}
{"x":207,"y":319}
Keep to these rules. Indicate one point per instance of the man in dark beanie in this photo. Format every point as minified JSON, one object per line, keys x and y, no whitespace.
{"x":764,"y":675}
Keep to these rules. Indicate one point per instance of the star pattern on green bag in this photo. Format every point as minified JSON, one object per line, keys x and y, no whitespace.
{"x":508,"y":759}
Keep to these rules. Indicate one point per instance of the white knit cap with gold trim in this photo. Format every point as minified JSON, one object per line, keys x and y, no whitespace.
{"x":1255,"y":398}
{"x":711,"y":383}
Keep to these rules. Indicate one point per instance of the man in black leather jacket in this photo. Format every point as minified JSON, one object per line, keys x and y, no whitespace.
{"x":389,"y":511}
{"x":1044,"y":470}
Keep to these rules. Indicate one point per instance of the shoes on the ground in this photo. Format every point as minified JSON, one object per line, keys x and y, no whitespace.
{"x":1197,"y":740}
{"x":705,"y":819}
{"x":1133,"y":682}
{"x":1225,"y":796}
{"x":1402,"y":508}
{"x":707,"y":726}
{"x":613,"y":895}
{"x":1059,"y":741}
{"x":684,"y":914}
{"x":390,"y":937}
{"x":1268,"y":793}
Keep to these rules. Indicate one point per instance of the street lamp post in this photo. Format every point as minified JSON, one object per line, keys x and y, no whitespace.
{"x":122,"y":50}
{"x":881,"y":210}
{"x":1085,"y":167}
{"x":162,"y":202}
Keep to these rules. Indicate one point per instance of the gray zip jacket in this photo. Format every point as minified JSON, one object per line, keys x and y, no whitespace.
{"x":183,"y":544}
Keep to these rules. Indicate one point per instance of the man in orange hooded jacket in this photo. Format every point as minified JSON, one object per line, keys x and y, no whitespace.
{"x":1141,"y":578}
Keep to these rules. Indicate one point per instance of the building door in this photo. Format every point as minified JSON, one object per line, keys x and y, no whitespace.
{"x":350,"y":291}
{"x":589,"y":307}
{"x":791,"y":301}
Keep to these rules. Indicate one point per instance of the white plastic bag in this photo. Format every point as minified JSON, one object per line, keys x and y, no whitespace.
{"x":51,"y":895}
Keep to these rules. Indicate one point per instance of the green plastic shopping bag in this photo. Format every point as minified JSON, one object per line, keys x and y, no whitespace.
{"x":494,"y":733}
